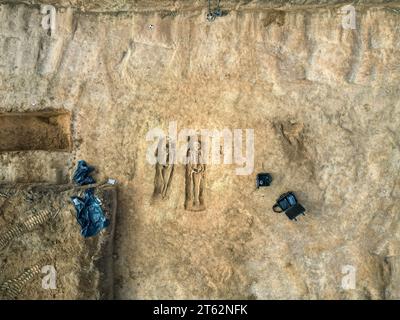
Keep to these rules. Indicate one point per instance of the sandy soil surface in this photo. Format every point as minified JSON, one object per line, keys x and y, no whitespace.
{"x":324,"y":105}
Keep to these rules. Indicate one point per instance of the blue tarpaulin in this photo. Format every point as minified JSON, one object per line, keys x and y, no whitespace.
{"x":89,"y":212}
{"x":82,"y":173}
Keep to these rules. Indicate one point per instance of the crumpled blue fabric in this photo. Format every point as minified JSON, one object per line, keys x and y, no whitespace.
{"x":82,"y":173}
{"x":89,"y":214}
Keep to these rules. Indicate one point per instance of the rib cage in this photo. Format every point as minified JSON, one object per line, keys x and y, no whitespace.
{"x":12,"y":288}
{"x":39,"y":219}
{"x":22,"y":227}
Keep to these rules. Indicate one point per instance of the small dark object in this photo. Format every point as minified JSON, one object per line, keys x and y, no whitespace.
{"x":220,"y":13}
{"x":263,"y":180}
{"x":82,"y":173}
{"x":210,"y":16}
{"x":89,"y":214}
{"x":217,"y":13}
{"x":288,"y":203}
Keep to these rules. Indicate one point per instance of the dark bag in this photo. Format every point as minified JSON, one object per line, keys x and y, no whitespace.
{"x":287,"y":203}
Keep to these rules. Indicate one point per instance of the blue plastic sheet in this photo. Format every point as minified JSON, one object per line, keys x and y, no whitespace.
{"x":82,"y":173}
{"x":89,"y":212}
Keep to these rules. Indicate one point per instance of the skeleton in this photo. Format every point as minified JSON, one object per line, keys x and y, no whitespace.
{"x":164,"y":171}
{"x":195,"y":178}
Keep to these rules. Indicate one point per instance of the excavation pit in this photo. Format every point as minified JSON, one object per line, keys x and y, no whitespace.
{"x":49,"y":131}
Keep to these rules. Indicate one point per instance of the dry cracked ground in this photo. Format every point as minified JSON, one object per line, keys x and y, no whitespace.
{"x":324,"y":104}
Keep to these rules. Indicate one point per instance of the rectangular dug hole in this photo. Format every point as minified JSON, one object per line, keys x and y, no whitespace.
{"x":50,"y":131}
